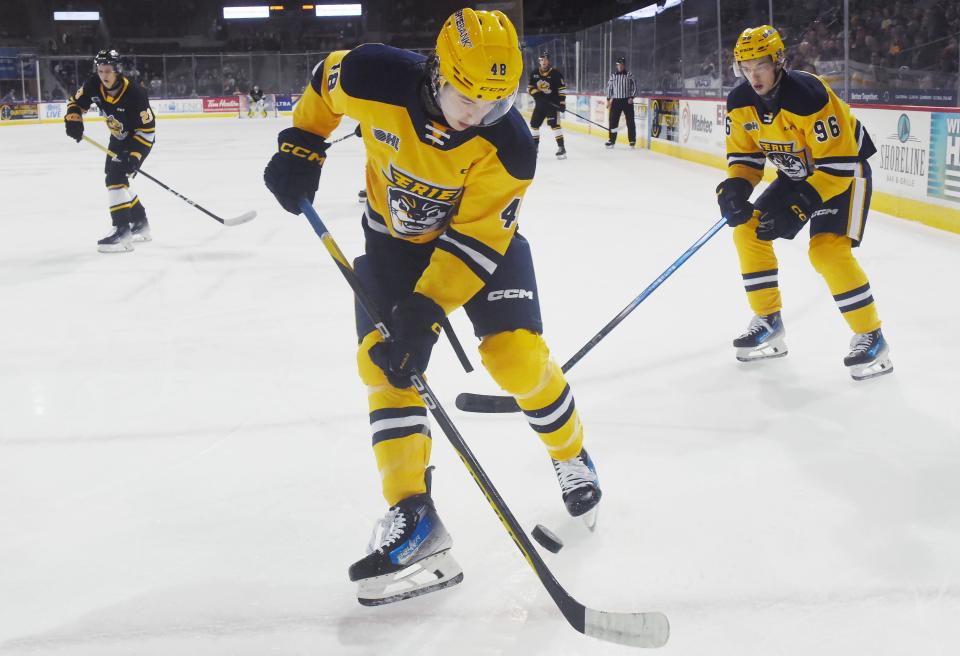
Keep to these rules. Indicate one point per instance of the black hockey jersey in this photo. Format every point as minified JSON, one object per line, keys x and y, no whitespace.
{"x":548,"y":87}
{"x":256,"y":95}
{"x":128,"y":114}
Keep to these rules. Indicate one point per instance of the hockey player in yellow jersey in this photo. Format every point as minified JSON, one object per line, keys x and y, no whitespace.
{"x":448,"y":161}
{"x":794,"y":120}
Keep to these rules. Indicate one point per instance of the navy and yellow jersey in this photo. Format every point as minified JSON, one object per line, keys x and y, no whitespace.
{"x":425,"y":181}
{"x":808,"y":133}
{"x":547,"y":87}
{"x":127,"y":113}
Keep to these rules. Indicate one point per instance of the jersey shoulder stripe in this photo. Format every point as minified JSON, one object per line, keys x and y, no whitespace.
{"x":802,"y":93}
{"x":514,"y":144}
{"x":741,"y":96}
{"x":377,"y":72}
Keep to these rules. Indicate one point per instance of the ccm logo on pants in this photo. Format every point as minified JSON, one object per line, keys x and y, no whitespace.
{"x":509,"y":293}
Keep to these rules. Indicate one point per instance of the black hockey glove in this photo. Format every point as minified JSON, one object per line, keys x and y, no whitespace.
{"x":130,"y":161}
{"x":357,"y":131}
{"x":73,"y":121}
{"x":789,"y":212}
{"x":733,"y":197}
{"x":415,"y":322}
{"x":294,"y":170}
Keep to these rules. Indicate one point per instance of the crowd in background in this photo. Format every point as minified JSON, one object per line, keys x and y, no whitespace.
{"x":888,"y":42}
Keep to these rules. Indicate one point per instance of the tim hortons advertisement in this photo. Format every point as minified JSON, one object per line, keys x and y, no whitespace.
{"x":221,"y":105}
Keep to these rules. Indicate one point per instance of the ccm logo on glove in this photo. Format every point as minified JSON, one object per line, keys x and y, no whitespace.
{"x":300,"y":151}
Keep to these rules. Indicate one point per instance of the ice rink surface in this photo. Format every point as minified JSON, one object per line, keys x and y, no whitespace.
{"x":185,"y":461}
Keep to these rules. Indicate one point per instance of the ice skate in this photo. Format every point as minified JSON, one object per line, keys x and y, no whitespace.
{"x":118,"y":241}
{"x":409,"y":555}
{"x":580,"y":487}
{"x":362,"y":196}
{"x":561,"y":153}
{"x":609,"y":143}
{"x":869,"y":356}
{"x":764,"y":339}
{"x":140,"y":230}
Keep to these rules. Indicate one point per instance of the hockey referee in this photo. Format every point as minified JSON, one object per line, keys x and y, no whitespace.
{"x":621,"y":88}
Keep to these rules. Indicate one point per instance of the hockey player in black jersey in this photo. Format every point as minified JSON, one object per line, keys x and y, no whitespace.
{"x":548,"y":90}
{"x":255,"y":97}
{"x":126,"y":109}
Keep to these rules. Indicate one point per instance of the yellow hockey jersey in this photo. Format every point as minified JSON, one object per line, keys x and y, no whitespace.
{"x":425,"y":181}
{"x":806,"y":131}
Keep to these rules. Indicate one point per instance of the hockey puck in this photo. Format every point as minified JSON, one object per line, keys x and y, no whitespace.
{"x":546,"y":538}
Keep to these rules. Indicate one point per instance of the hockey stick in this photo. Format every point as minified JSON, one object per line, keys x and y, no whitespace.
{"x":582,"y":118}
{"x":634,"y":629}
{"x":489,"y":403}
{"x":232,"y":221}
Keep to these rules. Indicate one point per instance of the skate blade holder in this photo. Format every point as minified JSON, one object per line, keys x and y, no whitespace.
{"x":432,"y":573}
{"x":878,"y":367}
{"x":775,"y":348}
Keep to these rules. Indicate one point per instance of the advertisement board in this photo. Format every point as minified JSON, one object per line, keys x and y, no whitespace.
{"x":902,"y":139}
{"x":701,"y":125}
{"x":177,"y":106}
{"x":19,"y":111}
{"x":944,"y":176}
{"x":665,"y":119}
{"x":221,"y":105}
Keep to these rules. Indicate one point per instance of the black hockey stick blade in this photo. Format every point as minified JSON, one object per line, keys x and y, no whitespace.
{"x":486,"y":403}
{"x":246,"y":217}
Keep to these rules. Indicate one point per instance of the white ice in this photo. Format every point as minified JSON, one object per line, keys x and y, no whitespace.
{"x":185,"y":462}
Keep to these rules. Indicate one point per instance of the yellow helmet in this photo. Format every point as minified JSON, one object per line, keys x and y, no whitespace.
{"x":763,"y":41}
{"x":479,"y":54}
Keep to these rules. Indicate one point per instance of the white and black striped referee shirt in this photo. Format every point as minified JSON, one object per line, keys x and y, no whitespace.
{"x":621,"y":85}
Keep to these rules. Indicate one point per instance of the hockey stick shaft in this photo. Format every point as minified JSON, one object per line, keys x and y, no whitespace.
{"x":489,"y":403}
{"x":638,"y":629}
{"x":242,"y":219}
{"x":582,"y":118}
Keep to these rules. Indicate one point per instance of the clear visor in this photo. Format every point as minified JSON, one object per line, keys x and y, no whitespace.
{"x":759,"y":65}
{"x":462,"y":112}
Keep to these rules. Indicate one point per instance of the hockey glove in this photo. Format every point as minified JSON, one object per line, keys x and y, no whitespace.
{"x":357,"y":131}
{"x":294,"y":170}
{"x":789,"y":212}
{"x":73,"y":121}
{"x":415,"y":322}
{"x":733,"y":197}
{"x":130,"y":161}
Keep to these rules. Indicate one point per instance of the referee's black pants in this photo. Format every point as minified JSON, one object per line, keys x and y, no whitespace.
{"x":625,"y":106}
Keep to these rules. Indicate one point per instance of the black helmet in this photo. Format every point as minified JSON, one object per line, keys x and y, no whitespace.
{"x":622,"y":60}
{"x":108,"y":58}
{"x":543,"y":55}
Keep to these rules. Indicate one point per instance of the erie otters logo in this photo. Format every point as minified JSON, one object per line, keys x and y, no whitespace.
{"x":418,"y":206}
{"x":784,"y":156}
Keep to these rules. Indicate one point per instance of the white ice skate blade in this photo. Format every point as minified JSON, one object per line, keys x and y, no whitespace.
{"x":428,"y":575}
{"x":561,"y":157}
{"x":775,"y":348}
{"x":122,"y":247}
{"x":878,"y":367}
{"x":590,"y":518}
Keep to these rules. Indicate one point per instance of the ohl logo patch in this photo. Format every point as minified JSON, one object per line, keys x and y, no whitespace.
{"x":418,"y":206}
